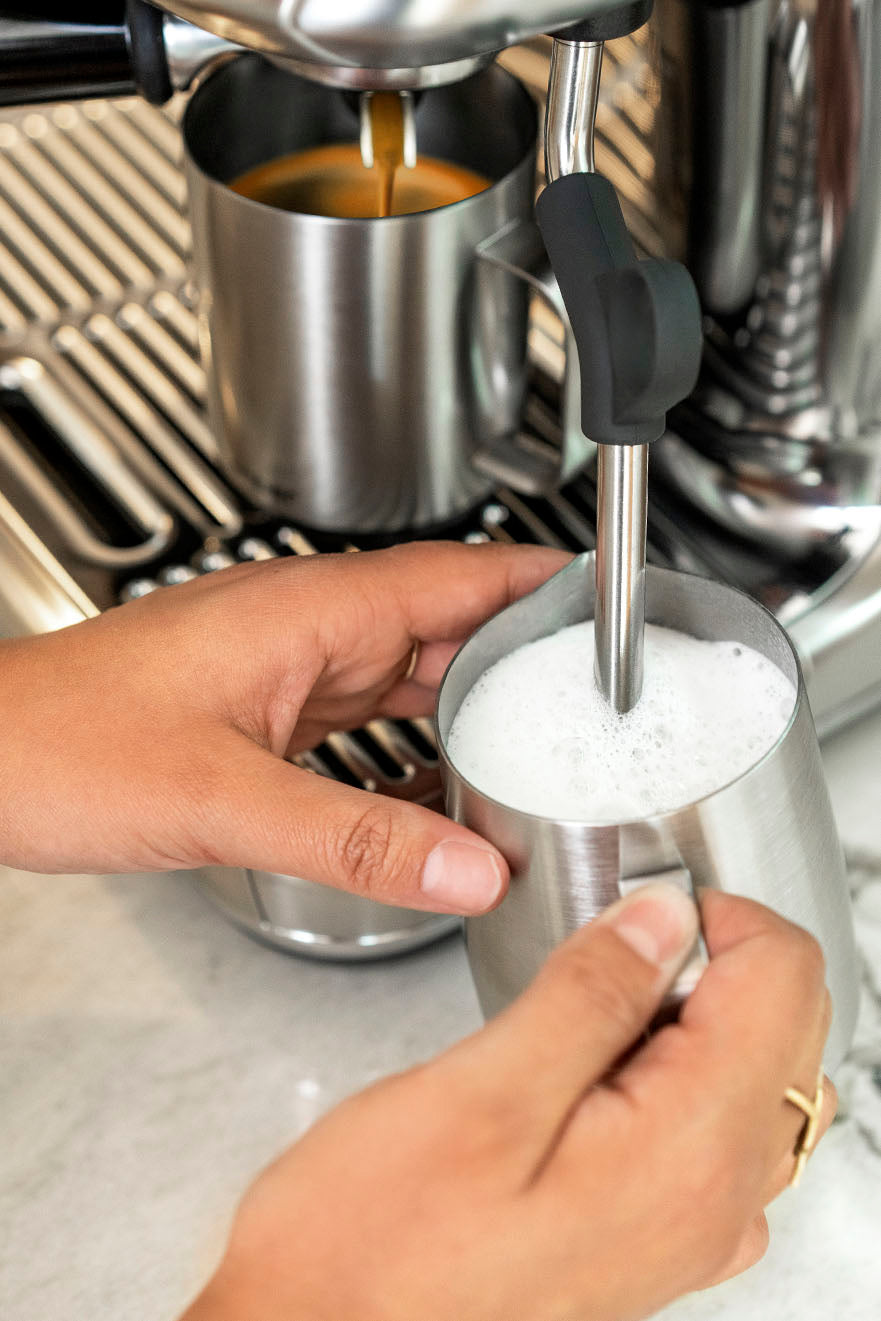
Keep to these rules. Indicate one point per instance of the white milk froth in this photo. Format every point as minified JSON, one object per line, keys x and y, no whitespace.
{"x":535,"y":733}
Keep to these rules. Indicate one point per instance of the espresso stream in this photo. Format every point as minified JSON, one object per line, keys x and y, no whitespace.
{"x":386,"y":111}
{"x":332,"y":180}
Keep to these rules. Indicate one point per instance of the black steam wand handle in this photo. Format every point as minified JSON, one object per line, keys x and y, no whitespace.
{"x":619,"y":21}
{"x":111,"y":48}
{"x":636,"y":323}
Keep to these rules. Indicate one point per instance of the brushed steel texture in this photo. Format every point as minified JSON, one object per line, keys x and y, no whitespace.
{"x":769,"y":834}
{"x":358,"y":367}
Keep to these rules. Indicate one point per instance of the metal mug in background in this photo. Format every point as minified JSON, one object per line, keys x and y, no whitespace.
{"x":368,"y":374}
{"x":769,"y":834}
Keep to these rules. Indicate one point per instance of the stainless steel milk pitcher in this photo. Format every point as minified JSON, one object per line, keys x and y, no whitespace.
{"x":769,"y":834}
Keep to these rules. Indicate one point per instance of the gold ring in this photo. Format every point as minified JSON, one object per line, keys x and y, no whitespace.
{"x":413,"y":662}
{"x":807,"y":1138}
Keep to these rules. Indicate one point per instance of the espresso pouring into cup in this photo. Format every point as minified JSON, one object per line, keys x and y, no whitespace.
{"x":367,"y":373}
{"x":346,"y":180}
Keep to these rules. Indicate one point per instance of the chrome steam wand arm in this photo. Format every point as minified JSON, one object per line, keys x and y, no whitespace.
{"x":637,"y":327}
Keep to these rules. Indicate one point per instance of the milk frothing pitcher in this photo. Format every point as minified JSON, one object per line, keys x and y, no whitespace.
{"x":769,"y":834}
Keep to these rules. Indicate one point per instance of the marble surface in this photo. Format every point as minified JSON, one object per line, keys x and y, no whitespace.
{"x":152,"y":1059}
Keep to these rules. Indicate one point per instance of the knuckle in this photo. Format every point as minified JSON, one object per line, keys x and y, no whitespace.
{"x":720,"y":1234}
{"x":366,"y":854}
{"x":719,"y":1198}
{"x":826,"y":1014}
{"x":595,"y":973}
{"x":806,"y":961}
{"x":759,"y":1238}
{"x":610,"y":999}
{"x":747,"y":1252}
{"x":755,"y":1244}
{"x":830,"y":1103}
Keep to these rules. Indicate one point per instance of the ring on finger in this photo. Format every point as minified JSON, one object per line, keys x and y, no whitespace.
{"x":413,"y":661}
{"x":812,"y":1110}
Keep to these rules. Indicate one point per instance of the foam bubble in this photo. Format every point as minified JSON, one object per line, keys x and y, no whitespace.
{"x":535,"y":733}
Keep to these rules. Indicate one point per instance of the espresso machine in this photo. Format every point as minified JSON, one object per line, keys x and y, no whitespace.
{"x":739,"y":141}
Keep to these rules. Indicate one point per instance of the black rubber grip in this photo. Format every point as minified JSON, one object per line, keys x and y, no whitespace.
{"x":609,"y":23}
{"x":637,"y":324}
{"x":145,"y":24}
{"x":46,"y":58}
{"x":109,"y":48}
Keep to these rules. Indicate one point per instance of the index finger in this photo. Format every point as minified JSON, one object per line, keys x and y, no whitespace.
{"x":379,"y":602}
{"x":446,"y":589}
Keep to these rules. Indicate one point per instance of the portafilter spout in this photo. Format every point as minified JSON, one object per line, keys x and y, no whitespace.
{"x":637,"y":327}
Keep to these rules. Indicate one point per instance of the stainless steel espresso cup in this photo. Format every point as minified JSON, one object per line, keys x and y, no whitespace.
{"x":769,"y":834}
{"x":368,"y":374}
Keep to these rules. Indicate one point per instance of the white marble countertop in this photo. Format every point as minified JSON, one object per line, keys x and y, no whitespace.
{"x":152,"y":1059}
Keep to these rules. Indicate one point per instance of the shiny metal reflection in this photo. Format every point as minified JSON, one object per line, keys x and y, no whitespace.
{"x":622,"y":509}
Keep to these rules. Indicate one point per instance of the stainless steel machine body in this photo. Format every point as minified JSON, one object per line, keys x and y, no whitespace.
{"x":768,"y":183}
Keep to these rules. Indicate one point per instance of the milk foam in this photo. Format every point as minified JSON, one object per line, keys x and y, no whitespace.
{"x":535,"y":733}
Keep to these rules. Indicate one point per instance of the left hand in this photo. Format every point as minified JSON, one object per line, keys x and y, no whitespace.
{"x":154,"y":736}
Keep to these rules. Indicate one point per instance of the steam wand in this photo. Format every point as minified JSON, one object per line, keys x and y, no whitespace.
{"x":637,"y":326}
{"x":622,"y":471}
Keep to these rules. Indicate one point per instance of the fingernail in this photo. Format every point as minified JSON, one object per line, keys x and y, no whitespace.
{"x":659,"y":921}
{"x":464,"y":878}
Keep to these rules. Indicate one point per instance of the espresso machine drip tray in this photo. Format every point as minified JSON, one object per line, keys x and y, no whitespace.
{"x":109,"y":486}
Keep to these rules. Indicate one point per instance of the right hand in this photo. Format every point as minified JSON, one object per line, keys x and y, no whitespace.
{"x":523,"y":1175}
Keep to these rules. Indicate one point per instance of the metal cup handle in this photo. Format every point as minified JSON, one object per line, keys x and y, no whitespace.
{"x":511,"y":459}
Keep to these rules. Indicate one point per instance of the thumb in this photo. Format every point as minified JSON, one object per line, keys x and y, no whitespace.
{"x":265,"y":814}
{"x":594,"y":997}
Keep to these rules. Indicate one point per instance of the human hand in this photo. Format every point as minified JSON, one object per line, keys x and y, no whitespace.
{"x":153,"y":737}
{"x":521,"y":1175}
